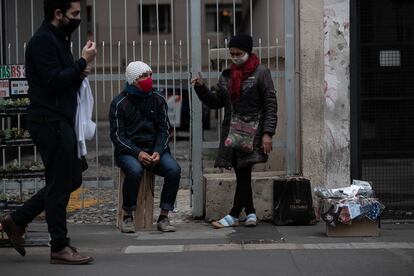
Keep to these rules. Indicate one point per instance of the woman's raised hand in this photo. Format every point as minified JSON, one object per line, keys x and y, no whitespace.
{"x":198,"y":81}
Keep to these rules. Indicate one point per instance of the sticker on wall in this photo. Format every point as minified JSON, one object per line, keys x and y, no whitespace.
{"x":4,"y":88}
{"x":17,"y":71}
{"x":19,"y":87}
{"x":4,"y":72}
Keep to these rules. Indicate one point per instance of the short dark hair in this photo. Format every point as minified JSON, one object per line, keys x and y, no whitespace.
{"x":49,"y":7}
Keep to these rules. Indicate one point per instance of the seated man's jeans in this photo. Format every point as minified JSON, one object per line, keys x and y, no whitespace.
{"x":133,"y":170}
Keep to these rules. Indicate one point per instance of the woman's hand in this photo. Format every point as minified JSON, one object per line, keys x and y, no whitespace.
{"x":267,"y":143}
{"x":198,"y":81}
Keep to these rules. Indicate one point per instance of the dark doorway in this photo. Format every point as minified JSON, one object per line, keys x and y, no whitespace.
{"x":382,"y":96}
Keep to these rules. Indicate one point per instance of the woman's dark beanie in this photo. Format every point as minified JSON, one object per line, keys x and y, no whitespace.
{"x":243,"y":42}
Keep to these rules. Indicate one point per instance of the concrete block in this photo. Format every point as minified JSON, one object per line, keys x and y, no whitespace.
{"x":220,"y":189}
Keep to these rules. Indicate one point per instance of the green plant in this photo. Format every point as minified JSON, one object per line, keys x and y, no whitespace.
{"x":10,"y":103}
{"x":35,"y":166}
{"x":8,"y":134}
{"x":14,"y":166}
{"x":2,"y":103}
{"x":21,"y":102}
{"x":16,"y":133}
{"x":26,"y":134}
{"x":3,"y":196}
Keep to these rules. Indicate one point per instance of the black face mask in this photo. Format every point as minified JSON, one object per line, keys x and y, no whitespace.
{"x":70,"y":27}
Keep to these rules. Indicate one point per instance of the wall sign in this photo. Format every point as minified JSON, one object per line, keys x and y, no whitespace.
{"x":13,"y":80}
{"x":4,"y":88}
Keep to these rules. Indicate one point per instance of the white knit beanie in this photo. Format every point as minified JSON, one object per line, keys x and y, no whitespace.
{"x":136,"y":69}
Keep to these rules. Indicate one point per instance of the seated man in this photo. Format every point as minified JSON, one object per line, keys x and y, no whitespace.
{"x":140,"y":133}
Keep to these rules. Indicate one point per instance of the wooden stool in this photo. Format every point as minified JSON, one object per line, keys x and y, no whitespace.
{"x":144,"y":214}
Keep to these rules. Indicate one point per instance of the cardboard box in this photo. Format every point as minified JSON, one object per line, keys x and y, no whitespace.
{"x":358,"y":228}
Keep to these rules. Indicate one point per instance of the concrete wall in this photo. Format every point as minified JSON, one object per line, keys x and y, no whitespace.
{"x":324,"y":91}
{"x":336,"y":91}
{"x":311,"y":55}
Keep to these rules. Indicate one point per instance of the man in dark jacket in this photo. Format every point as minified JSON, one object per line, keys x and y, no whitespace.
{"x":140,"y":133}
{"x":54,"y":79}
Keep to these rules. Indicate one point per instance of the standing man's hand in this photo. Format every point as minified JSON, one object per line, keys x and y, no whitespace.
{"x":145,"y":158}
{"x":89,"y":51}
{"x":267,"y":143}
{"x":87,"y":71}
{"x":198,"y":81}
{"x":155,"y":158}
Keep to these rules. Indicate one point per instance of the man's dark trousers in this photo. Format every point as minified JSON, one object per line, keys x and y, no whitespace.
{"x":56,"y":142}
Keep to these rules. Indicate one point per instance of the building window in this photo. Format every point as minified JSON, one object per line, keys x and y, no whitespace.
{"x":390,"y":58}
{"x":149,"y":18}
{"x":226,"y":18}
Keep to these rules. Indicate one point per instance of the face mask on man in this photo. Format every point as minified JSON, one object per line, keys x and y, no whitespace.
{"x":240,"y":60}
{"x":70,"y":26}
{"x":146,"y":85}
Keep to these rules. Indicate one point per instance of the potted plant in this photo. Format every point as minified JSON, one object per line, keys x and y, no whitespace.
{"x":16,"y":135}
{"x":2,"y":105}
{"x":21,"y":104}
{"x":9,"y":105}
{"x":36,"y":166}
{"x":3,"y":201}
{"x":8,"y":134}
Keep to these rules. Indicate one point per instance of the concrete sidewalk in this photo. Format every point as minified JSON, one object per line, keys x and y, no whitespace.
{"x":197,"y":249}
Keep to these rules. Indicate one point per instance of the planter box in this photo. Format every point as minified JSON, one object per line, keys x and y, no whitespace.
{"x":18,"y":141}
{"x":22,"y":174}
{"x":358,"y":228}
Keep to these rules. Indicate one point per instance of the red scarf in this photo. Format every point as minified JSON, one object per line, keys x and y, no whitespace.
{"x":239,"y":74}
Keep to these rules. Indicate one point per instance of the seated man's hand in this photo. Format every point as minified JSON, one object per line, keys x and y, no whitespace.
{"x":155,"y":158}
{"x":145,"y":158}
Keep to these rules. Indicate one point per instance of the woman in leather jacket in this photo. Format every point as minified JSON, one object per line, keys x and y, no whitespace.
{"x":245,"y":89}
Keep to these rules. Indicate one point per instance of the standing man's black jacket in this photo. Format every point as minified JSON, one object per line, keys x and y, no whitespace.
{"x":139,"y":123}
{"x":54,"y":80}
{"x":52,"y":75}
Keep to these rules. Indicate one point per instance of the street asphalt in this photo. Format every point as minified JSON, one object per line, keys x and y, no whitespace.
{"x":197,"y":249}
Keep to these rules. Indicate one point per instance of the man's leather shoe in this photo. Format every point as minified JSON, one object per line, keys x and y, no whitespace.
{"x":69,"y":255}
{"x":14,"y":233}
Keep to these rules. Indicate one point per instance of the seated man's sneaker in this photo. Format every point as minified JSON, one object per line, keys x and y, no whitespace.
{"x":69,"y":255}
{"x":127,"y":225}
{"x":165,"y":226}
